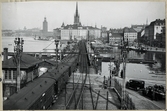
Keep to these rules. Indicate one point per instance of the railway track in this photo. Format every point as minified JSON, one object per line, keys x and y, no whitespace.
{"x":75,"y":101}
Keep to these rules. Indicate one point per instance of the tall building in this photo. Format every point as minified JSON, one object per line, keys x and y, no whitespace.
{"x":45,"y":26}
{"x":44,"y":33}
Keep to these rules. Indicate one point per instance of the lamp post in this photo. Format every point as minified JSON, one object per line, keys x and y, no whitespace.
{"x":110,"y":68}
{"x":124,"y":57}
{"x":18,"y":49}
{"x":56,"y":43}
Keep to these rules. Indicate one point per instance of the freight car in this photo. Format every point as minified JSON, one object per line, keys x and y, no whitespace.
{"x":40,"y":93}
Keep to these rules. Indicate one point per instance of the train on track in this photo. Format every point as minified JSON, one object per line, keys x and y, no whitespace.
{"x":41,"y":93}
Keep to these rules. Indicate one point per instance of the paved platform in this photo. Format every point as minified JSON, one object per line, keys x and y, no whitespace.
{"x":96,"y":86}
{"x":141,"y":102}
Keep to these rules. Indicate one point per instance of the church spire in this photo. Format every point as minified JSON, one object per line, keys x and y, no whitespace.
{"x":76,"y":16}
{"x":147,"y":21}
{"x":76,"y":9}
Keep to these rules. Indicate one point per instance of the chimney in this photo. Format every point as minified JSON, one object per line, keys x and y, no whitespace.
{"x":5,"y":54}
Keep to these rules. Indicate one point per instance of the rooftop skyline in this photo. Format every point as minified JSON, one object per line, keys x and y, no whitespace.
{"x":110,"y":14}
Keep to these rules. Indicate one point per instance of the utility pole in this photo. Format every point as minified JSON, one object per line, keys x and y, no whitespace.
{"x":110,"y":68}
{"x":56,"y":43}
{"x":18,"y":49}
{"x":124,"y":57}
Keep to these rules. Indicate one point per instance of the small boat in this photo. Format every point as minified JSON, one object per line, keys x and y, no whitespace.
{"x":39,"y":38}
{"x":139,"y":49}
{"x":9,"y":44}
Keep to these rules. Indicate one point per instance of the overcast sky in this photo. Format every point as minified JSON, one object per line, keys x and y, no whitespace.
{"x":107,"y":13}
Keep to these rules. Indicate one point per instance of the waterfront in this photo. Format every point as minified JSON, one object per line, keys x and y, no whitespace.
{"x":135,"y":71}
{"x":147,"y":72}
{"x":151,"y":73}
{"x":30,"y":45}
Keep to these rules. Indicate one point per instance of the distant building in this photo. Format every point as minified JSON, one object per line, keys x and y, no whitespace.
{"x":120,"y":30}
{"x":57,"y":33}
{"x":28,"y":32}
{"x":145,"y":35}
{"x":69,"y":32}
{"x":94,"y":32}
{"x":103,"y":32}
{"x":138,"y":28}
{"x":115,"y":38}
{"x":154,"y":34}
{"x":76,"y":30}
{"x":160,"y":38}
{"x":45,"y":26}
{"x":7,"y":33}
{"x":44,"y":34}
{"x":155,"y":28}
{"x":129,"y":34}
{"x":36,"y":32}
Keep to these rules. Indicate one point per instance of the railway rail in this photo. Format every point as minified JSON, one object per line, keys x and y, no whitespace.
{"x":75,"y":100}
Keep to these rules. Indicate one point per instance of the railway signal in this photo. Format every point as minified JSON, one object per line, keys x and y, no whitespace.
{"x":56,"y":43}
{"x":18,"y":49}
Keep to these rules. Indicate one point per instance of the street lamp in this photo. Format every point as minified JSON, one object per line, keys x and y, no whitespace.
{"x":56,"y":43}
{"x":110,"y":68}
{"x":18,"y":49}
{"x":124,"y":57}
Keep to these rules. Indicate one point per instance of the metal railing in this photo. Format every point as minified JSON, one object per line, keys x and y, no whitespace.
{"x":127,"y":100}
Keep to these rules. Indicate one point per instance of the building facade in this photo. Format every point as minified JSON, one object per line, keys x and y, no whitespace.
{"x":115,"y":38}
{"x":76,"y":30}
{"x":155,"y":28}
{"x":103,"y":32}
{"x":28,"y":72}
{"x":138,"y":28}
{"x":129,"y":34}
{"x":57,"y":33}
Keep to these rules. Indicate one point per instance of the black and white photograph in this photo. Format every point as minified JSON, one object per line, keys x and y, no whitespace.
{"x":83,"y":55}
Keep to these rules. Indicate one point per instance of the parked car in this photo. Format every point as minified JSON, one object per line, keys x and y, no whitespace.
{"x":156,"y":92}
{"x":135,"y":84}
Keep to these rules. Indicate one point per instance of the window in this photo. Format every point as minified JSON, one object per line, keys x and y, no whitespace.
{"x":6,"y":74}
{"x":10,"y":76}
{"x":14,"y":74}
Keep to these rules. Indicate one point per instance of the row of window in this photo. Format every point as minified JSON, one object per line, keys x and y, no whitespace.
{"x":130,"y":34}
{"x":8,"y":74}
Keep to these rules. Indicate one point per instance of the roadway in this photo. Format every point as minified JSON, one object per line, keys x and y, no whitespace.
{"x":144,"y":103}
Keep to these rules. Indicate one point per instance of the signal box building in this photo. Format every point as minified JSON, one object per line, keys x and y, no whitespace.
{"x":28,"y":72}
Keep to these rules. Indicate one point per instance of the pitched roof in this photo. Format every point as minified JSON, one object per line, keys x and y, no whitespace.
{"x":117,"y":35}
{"x":129,"y":30}
{"x":75,"y":26}
{"x":26,"y":62}
{"x":157,"y":21}
{"x":138,"y":26}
